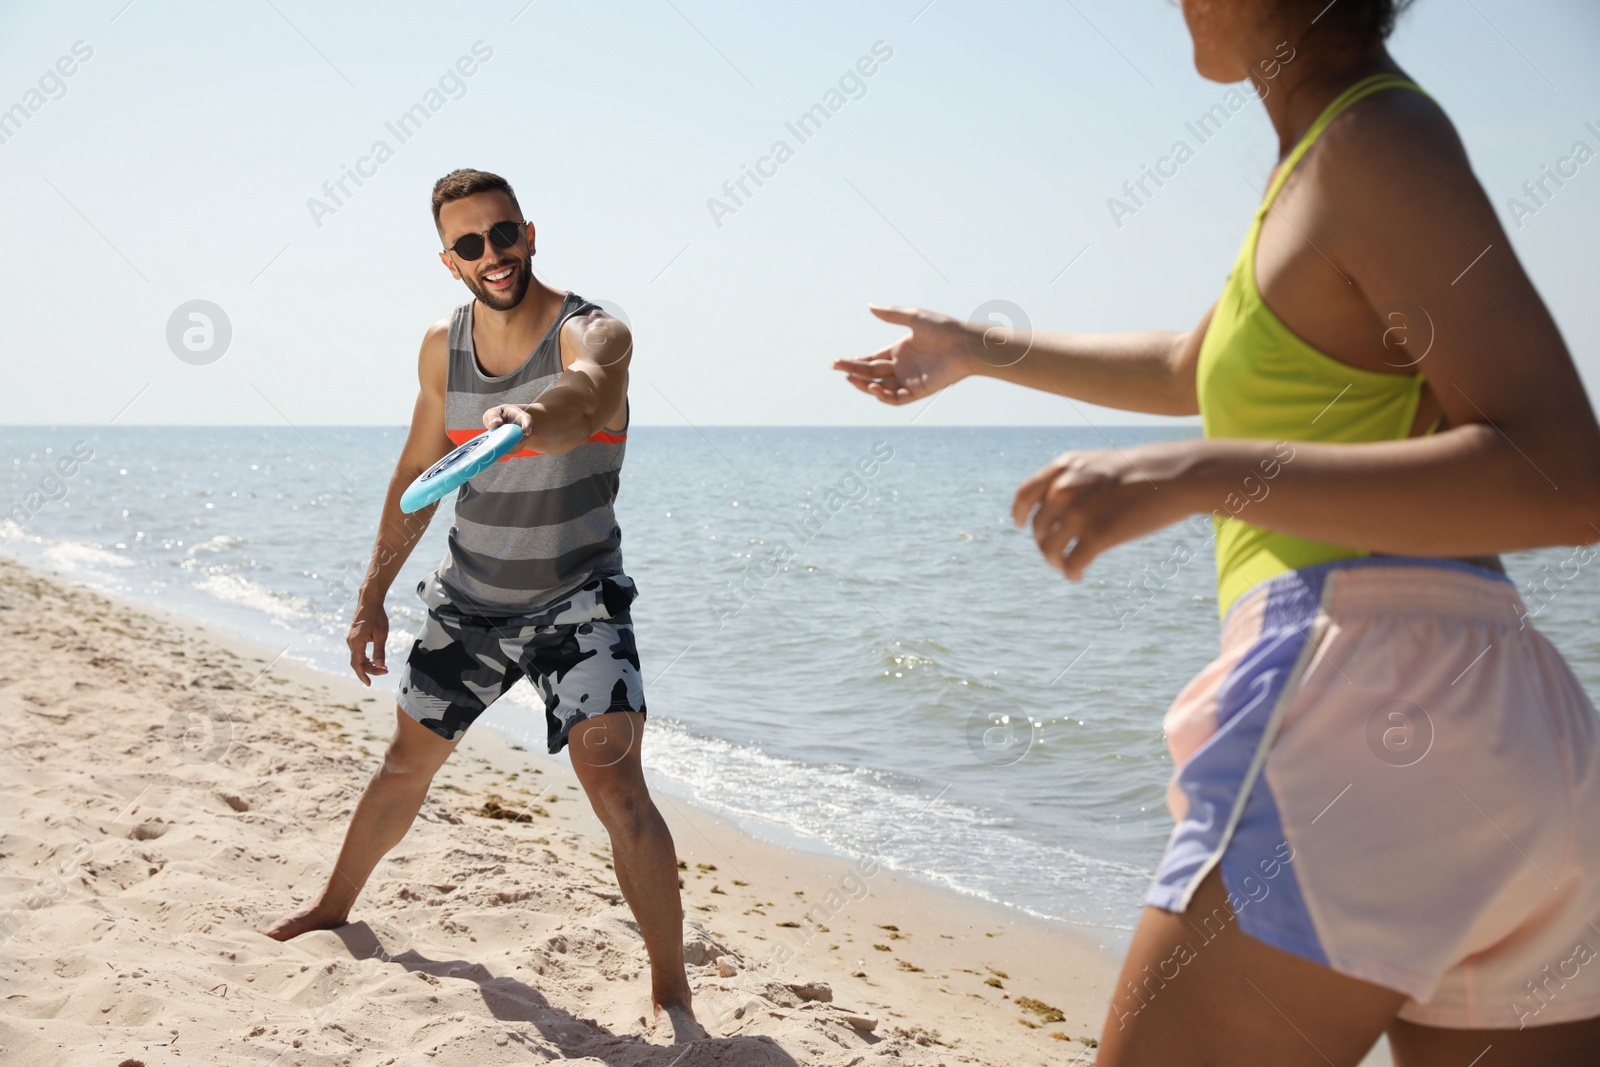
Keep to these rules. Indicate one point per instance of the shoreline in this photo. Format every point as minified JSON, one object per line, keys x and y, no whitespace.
{"x":800,"y":765}
{"x":934,"y":970}
{"x":771,"y":831}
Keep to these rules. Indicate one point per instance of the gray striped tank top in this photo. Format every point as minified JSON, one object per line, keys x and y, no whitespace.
{"x":532,"y":527}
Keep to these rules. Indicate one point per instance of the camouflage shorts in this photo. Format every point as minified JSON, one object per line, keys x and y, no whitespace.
{"x":579,"y":654}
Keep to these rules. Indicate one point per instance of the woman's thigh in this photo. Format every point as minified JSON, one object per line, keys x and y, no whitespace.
{"x":1197,"y":990}
{"x":1562,"y":1045}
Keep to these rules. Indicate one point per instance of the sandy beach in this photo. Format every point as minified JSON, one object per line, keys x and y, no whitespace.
{"x":171,"y":791}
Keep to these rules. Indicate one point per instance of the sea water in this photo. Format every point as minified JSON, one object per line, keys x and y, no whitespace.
{"x":846,"y":645}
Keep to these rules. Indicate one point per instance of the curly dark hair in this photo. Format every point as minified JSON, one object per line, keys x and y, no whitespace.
{"x":1367,"y":20}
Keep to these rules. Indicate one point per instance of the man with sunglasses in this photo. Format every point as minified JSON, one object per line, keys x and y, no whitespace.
{"x":531,"y":584}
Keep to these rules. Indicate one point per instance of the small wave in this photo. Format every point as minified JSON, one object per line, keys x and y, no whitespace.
{"x":879,"y":814}
{"x":241,"y":591}
{"x":61,"y":554}
{"x":219,"y":543}
{"x":73,"y":556}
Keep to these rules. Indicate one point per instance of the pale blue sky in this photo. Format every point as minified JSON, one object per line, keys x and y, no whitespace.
{"x":178,"y":162}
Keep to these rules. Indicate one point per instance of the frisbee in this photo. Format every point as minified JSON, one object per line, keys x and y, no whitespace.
{"x":463,"y":464}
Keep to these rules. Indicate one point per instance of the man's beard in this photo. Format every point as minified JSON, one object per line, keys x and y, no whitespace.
{"x":498,"y":300}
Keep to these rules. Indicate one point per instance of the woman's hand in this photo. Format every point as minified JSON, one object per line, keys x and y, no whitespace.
{"x":936,"y":353}
{"x":1083,"y":503}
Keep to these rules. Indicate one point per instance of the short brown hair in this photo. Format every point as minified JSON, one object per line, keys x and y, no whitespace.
{"x":460,"y":184}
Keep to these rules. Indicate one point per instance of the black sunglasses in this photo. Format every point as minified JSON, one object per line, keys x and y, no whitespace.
{"x":503,"y":234}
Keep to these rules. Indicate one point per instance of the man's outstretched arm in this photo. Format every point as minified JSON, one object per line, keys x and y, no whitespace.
{"x":596,"y":351}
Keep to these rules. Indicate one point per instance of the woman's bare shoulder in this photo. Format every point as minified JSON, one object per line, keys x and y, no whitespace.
{"x":1396,"y":156}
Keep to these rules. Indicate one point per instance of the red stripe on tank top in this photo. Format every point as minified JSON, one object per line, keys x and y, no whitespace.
{"x":461,"y":437}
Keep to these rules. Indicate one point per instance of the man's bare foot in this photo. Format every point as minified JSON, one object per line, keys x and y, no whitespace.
{"x":304,"y":921}
{"x":680,"y":1016}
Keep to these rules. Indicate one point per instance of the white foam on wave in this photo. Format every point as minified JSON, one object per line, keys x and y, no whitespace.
{"x":864,"y":813}
{"x":79,"y":556}
{"x":236,"y":590}
{"x":219,"y":543}
{"x":62,"y":554}
{"x":876,"y":814}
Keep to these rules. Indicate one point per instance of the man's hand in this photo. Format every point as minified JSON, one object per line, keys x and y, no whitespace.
{"x":370,"y":627}
{"x":504,"y":413}
{"x":1093,"y":501}
{"x":936,"y":353}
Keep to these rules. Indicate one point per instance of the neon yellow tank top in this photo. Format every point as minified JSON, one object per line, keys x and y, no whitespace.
{"x":1256,"y":379}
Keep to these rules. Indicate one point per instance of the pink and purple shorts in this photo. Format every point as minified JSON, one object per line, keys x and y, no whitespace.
{"x":1398,"y":778}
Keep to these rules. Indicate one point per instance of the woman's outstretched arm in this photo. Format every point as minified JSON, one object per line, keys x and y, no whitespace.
{"x":1152,"y":371}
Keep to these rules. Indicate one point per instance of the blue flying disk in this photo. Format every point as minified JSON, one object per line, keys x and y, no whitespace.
{"x":460,"y":466}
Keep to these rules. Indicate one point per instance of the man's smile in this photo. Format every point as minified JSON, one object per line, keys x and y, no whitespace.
{"x":501,"y":277}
